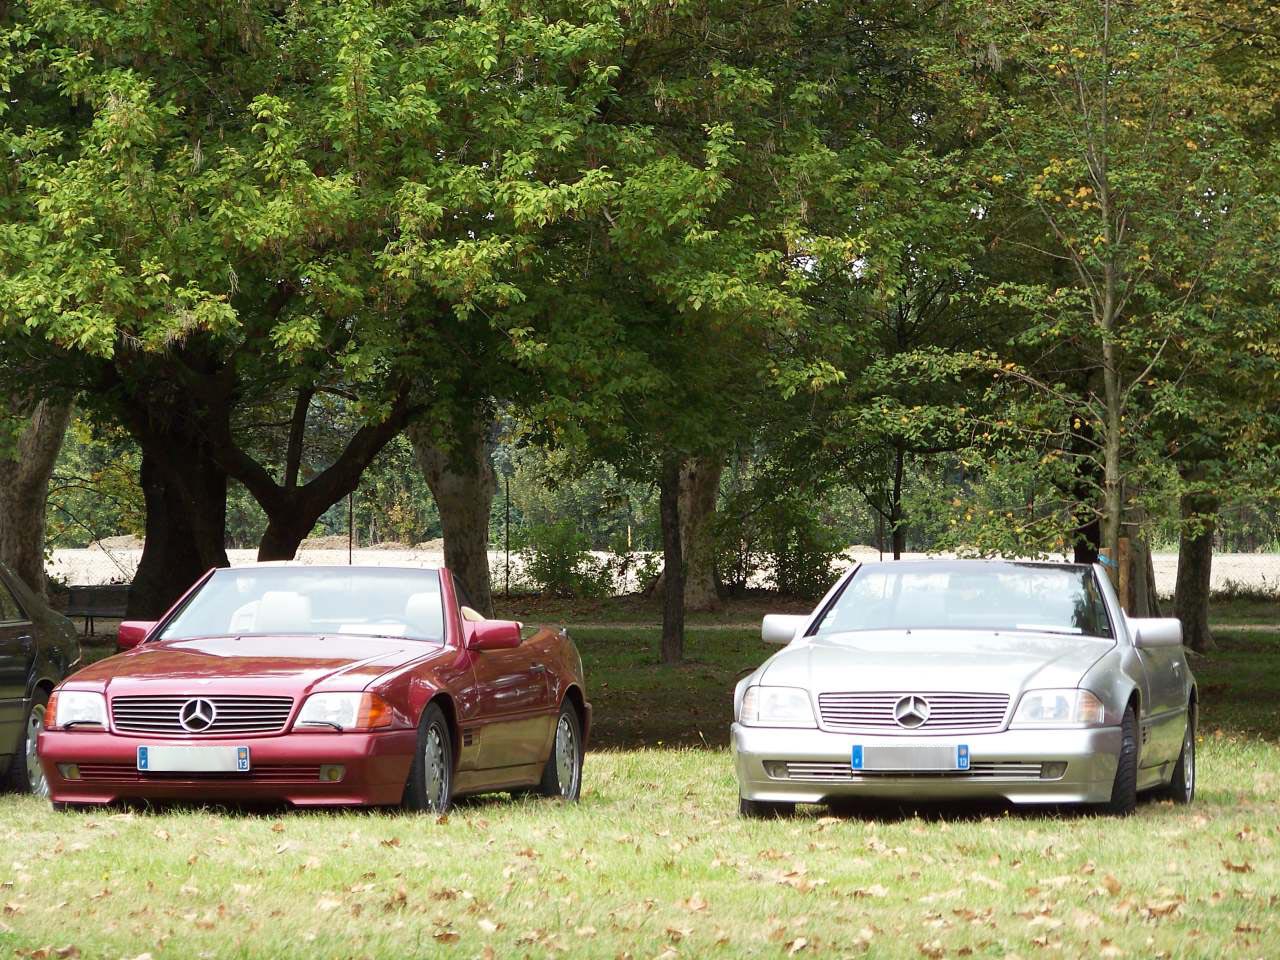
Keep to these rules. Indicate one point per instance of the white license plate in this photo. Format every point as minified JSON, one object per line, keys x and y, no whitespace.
{"x":166,"y":759}
{"x":910,"y":757}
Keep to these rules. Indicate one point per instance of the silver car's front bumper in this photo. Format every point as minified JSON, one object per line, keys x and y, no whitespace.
{"x":814,"y":766}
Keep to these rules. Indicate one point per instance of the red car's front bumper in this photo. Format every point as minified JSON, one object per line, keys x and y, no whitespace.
{"x":282,"y":768}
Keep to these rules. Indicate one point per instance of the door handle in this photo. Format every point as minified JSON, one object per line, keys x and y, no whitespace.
{"x":538,"y":668}
{"x":27,"y":641}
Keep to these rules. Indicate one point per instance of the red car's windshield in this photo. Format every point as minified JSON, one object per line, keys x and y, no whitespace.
{"x":243,"y":601}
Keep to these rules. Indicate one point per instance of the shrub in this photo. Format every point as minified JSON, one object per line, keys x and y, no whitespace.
{"x":779,"y":542}
{"x":557,"y":561}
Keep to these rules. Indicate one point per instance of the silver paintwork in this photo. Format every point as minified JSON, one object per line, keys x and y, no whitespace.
{"x":1141,"y":663}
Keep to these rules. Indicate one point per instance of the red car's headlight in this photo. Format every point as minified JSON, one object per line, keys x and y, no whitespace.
{"x":75,"y":708}
{"x":344,"y":711}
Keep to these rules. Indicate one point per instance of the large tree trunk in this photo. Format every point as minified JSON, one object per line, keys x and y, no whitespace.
{"x":25,"y":469}
{"x":673,"y":561}
{"x":1195,"y":560}
{"x":699,"y":488}
{"x":1143,"y":600}
{"x":186,"y":501}
{"x":462,"y":481}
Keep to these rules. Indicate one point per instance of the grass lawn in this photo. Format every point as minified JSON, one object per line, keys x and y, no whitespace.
{"x":655,"y":863}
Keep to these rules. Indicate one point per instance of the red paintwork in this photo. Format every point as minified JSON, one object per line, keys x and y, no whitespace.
{"x":503,"y":698}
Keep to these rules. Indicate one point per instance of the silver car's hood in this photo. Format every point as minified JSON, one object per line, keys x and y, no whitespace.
{"x":935,"y":660}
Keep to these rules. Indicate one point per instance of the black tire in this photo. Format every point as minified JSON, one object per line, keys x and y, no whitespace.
{"x":20,"y":778}
{"x":1182,"y":786}
{"x":562,"y":775}
{"x":764,"y":809}
{"x":1124,"y":792}
{"x":430,"y":785}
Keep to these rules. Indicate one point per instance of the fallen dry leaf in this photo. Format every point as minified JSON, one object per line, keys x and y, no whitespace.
{"x":1111,"y":884}
{"x":796,"y":945}
{"x":875,"y":890}
{"x":1245,"y":867}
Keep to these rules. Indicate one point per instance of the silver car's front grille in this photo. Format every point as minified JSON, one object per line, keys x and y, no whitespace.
{"x":826,"y":772}
{"x":230,"y":714}
{"x":947,"y":712}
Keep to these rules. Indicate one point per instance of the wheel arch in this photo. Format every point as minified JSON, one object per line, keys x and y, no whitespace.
{"x":573,"y":694}
{"x":444,"y":701}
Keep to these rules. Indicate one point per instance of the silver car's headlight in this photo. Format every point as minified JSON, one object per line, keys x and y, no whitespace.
{"x":776,"y":707}
{"x":1059,"y":708}
{"x":76,"y":708}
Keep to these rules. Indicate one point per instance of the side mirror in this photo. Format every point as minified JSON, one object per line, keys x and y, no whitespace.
{"x":781,"y":628}
{"x":1156,"y":631}
{"x":132,"y":633}
{"x":493,"y":635}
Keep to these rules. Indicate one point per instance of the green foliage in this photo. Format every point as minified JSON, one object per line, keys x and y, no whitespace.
{"x":556,"y":560}
{"x":94,"y":491}
{"x":781,"y":535}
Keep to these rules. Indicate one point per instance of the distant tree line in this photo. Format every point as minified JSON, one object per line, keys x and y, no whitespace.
{"x":986,"y":277}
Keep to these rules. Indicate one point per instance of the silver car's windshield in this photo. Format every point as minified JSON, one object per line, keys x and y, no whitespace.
{"x":969,"y":595}
{"x":242,"y":601}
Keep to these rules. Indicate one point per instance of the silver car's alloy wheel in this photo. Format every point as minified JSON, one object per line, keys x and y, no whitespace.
{"x":567,"y":767}
{"x":435,"y":770}
{"x":1189,"y":760}
{"x":35,"y":772}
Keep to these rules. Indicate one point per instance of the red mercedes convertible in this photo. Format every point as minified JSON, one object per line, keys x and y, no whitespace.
{"x":320,"y":685}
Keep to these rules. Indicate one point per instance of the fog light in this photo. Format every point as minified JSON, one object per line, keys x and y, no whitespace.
{"x":776,"y":770}
{"x":69,"y":771}
{"x":1052,"y":771}
{"x":332,"y":772}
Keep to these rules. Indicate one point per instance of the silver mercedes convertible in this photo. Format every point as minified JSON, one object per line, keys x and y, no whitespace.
{"x":952,"y":679}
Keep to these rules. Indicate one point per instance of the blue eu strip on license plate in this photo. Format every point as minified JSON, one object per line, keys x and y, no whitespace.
{"x":857,"y":756}
{"x":142,"y":758}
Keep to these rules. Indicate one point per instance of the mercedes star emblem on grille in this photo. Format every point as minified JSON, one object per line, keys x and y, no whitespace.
{"x":911,"y":711}
{"x":198,"y":715}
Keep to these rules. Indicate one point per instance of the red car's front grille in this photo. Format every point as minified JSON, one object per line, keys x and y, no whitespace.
{"x":226,"y":714}
{"x":128,"y":773}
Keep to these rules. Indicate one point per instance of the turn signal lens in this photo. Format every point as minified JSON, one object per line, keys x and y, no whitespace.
{"x":375,"y":713}
{"x":51,"y":712}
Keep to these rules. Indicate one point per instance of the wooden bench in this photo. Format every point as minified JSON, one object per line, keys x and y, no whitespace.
{"x":101,"y":600}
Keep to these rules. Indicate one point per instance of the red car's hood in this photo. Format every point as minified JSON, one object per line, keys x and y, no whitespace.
{"x":255,"y":664}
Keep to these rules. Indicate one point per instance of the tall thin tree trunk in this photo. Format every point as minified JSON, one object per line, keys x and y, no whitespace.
{"x":673,"y":561}
{"x":25,"y":470}
{"x":462,"y":481}
{"x":1112,"y":482}
{"x":186,"y":502}
{"x":895,"y":506}
{"x":1195,"y":563}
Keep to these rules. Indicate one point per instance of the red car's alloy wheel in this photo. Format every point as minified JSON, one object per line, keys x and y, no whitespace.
{"x":430,"y":786}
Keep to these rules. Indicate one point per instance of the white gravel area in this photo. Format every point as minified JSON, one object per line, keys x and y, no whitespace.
{"x":98,"y":564}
